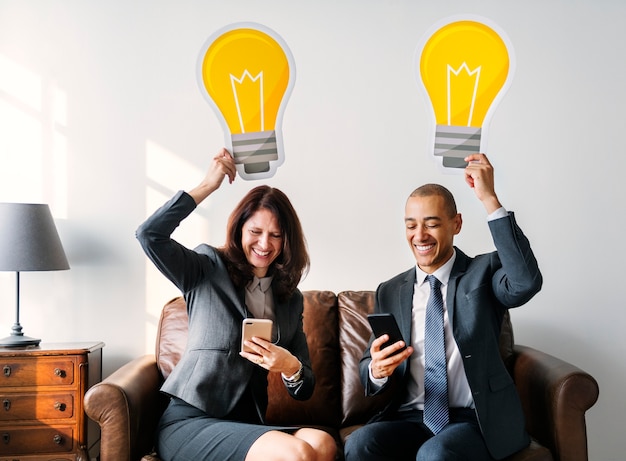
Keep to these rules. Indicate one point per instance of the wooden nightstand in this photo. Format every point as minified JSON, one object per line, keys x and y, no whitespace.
{"x":41,"y":402}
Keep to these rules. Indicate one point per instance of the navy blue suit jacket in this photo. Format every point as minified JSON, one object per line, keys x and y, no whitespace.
{"x":479,"y":292}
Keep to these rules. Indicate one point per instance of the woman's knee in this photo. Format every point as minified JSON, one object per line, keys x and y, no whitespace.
{"x":323,"y":444}
{"x":278,"y":446}
{"x":327,"y":449}
{"x":303,"y":451}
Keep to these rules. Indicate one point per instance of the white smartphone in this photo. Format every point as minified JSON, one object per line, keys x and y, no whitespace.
{"x":261,"y":328}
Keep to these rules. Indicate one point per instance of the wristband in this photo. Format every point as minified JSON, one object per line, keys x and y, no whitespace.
{"x":295,"y":377}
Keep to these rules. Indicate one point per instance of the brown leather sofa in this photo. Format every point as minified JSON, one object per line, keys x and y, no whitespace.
{"x":127,"y":404}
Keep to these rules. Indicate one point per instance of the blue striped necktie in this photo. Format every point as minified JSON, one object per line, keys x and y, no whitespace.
{"x":436,"y":415}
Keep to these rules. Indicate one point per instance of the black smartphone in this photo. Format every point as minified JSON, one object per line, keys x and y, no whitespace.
{"x":386,"y":324}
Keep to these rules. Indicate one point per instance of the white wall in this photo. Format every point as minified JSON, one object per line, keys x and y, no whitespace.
{"x":102,"y":118}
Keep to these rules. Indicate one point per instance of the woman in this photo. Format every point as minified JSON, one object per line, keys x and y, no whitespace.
{"x":218,"y":393}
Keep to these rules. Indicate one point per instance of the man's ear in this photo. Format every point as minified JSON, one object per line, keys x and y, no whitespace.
{"x":458,"y":223}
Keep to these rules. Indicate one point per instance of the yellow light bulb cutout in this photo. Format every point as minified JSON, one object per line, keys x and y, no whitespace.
{"x":247,"y":73}
{"x":464,"y":66}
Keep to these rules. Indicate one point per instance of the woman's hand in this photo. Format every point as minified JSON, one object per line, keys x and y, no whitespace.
{"x":271,"y":357}
{"x":221,"y":166}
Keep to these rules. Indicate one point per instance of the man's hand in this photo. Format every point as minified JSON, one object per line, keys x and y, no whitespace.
{"x":479,"y":176}
{"x":383,"y":361}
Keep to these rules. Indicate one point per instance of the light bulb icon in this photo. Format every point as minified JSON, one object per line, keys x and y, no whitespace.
{"x":465,"y":67}
{"x":247,"y":73}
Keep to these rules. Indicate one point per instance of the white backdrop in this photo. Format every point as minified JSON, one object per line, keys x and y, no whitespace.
{"x":102,"y":118}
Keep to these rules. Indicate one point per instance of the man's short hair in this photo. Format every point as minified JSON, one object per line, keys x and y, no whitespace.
{"x":428,"y":190}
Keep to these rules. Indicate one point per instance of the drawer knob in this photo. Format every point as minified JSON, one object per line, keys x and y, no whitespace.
{"x":60,"y":373}
{"x":60,"y":406}
{"x":6,"y":403}
{"x":6,"y":438}
{"x":7,"y":371}
{"x":57,"y":439}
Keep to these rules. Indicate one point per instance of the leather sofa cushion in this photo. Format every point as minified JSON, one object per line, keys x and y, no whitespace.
{"x":332,"y":324}
{"x":320,"y":322}
{"x":354,"y":334}
{"x":171,"y":335}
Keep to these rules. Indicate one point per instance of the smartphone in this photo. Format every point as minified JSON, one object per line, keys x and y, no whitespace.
{"x":261,"y":328}
{"x":386,"y":324}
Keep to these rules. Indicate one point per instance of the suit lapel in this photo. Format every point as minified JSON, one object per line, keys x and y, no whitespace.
{"x":459,"y":268}
{"x":405,"y":317}
{"x":241,"y":304}
{"x":281,"y":314}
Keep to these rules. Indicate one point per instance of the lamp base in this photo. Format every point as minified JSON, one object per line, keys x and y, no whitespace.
{"x":19,"y":341}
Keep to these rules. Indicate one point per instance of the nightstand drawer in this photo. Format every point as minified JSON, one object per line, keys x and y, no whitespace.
{"x":35,"y":440}
{"x":41,"y":406}
{"x":43,"y":371}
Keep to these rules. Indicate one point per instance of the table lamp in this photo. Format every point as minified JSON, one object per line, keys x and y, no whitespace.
{"x":28,"y":242}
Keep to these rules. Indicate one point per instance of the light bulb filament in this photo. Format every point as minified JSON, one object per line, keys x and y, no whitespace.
{"x":470,"y":73}
{"x":239,"y":83}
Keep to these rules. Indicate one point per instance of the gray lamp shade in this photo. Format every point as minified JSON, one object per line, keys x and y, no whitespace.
{"x":29,"y":240}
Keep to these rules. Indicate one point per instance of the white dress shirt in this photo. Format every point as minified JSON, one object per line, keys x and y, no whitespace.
{"x":459,"y":392}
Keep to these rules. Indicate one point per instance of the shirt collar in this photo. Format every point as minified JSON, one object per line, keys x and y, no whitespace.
{"x":442,"y":274}
{"x":264,"y":283}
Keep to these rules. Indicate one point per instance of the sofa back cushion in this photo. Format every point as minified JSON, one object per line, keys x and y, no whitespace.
{"x":320,"y":322}
{"x":171,"y":337}
{"x":354,"y":334}
{"x":337,"y":334}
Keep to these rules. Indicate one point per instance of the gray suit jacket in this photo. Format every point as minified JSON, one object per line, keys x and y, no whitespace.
{"x":480,"y":291}
{"x":211,"y":375}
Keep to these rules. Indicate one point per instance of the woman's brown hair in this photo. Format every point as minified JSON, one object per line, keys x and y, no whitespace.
{"x":292,"y":263}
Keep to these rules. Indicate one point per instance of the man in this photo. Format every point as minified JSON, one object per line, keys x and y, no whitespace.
{"x":481,"y":416}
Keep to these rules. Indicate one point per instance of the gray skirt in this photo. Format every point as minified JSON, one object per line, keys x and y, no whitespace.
{"x":186,"y":433}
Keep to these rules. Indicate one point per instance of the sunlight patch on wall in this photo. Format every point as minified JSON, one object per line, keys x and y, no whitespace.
{"x":21,"y":151}
{"x":21,"y":84}
{"x":59,"y":154}
{"x":33,"y":139}
{"x":166,"y":174}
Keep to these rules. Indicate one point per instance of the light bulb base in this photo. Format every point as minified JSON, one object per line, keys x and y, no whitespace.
{"x":454,"y":143}
{"x":255,"y":150}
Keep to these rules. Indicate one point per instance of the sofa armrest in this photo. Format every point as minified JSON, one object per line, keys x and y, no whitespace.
{"x":127,"y":407}
{"x":555,"y":396}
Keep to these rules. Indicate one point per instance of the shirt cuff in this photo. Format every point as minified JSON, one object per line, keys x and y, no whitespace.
{"x":499,"y":213}
{"x":377,"y":383}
